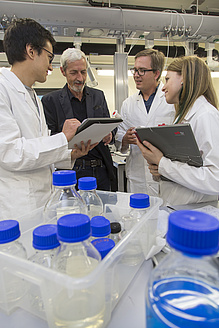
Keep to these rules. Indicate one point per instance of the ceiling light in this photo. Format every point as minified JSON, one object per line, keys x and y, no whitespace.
{"x":108,"y":72}
{"x":95,"y":32}
{"x":213,"y":74}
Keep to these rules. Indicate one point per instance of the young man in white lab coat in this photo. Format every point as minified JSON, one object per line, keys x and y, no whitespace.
{"x":27,"y":152}
{"x":147,"y":107}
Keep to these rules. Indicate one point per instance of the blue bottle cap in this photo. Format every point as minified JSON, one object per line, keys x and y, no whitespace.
{"x":64,"y":178}
{"x":103,"y":245}
{"x":87,"y":183}
{"x":9,"y":231}
{"x":139,"y":201}
{"x":73,"y":228}
{"x":193,"y":232}
{"x":100,"y":226}
{"x":45,"y":237}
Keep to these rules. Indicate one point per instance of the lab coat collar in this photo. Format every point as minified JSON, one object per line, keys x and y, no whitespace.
{"x":19,"y":86}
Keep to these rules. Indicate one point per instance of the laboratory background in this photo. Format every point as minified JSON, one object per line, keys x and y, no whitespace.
{"x":111,"y":33}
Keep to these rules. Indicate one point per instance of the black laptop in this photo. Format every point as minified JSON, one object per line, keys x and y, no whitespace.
{"x":176,"y":142}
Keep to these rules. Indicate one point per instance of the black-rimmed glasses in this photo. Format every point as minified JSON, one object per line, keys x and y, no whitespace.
{"x":51,"y":54}
{"x":140,"y":71}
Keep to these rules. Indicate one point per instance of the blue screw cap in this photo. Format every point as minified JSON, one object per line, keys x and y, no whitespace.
{"x":87,"y":183}
{"x":103,"y":245}
{"x":72,"y":228}
{"x":100,"y":226}
{"x":139,"y":201}
{"x":193,"y":232}
{"x":45,"y":237}
{"x":9,"y":231}
{"x":64,"y":178}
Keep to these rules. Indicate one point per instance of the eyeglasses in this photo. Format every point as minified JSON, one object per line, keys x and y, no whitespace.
{"x":51,"y":54}
{"x":141,"y":71}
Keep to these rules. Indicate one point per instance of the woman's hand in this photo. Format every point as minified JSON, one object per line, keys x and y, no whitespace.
{"x":152,"y":154}
{"x":79,"y":152}
{"x":154,"y":170}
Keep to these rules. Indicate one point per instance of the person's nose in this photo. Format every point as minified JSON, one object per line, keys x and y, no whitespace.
{"x":50,"y":67}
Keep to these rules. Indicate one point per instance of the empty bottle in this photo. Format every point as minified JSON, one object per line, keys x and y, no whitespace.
{"x":45,"y":243}
{"x":87,"y":189}
{"x":139,"y":204}
{"x":100,"y":227}
{"x":115,"y":234}
{"x":64,"y":198}
{"x":77,"y":257}
{"x":183,"y":290}
{"x":14,"y":287}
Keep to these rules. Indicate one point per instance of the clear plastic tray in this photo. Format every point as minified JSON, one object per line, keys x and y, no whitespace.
{"x":113,"y":274}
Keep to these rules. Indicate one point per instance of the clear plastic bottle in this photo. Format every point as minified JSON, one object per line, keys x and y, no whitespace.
{"x":115,"y":234}
{"x":100,"y":227}
{"x":103,"y":245}
{"x":87,"y":189}
{"x":183,"y":290}
{"x":14,"y":287}
{"x":139,"y":204}
{"x":45,"y":243}
{"x":77,"y":257}
{"x":64,"y":198}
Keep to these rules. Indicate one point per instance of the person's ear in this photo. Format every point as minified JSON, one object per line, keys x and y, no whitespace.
{"x":156,"y":74}
{"x":62,"y":70}
{"x":30,"y":51}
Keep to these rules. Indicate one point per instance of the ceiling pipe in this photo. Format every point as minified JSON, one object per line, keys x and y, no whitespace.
{"x":147,"y":8}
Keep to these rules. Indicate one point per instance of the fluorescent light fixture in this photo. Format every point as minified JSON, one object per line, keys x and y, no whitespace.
{"x":213,"y":74}
{"x":108,"y":72}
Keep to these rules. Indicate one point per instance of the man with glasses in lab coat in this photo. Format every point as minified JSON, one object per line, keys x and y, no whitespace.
{"x":27,"y":152}
{"x":147,"y":107}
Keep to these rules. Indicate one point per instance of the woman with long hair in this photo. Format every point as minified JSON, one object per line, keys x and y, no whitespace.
{"x":189,"y":87}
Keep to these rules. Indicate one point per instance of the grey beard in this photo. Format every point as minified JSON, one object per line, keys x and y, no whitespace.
{"x":78,"y":90}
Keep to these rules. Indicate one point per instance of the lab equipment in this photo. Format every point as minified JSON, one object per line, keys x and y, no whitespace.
{"x":64,"y":198}
{"x":183,"y":290}
{"x":14,"y":288}
{"x":103,"y":245}
{"x":77,"y":257}
{"x":100,"y":227}
{"x":87,"y":189}
{"x":115,"y":234}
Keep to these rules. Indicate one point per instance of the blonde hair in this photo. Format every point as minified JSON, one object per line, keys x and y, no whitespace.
{"x":196,"y":82}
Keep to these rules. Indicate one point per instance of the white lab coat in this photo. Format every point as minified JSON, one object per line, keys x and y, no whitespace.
{"x":134,"y":114}
{"x":192,"y":184}
{"x":27,"y":152}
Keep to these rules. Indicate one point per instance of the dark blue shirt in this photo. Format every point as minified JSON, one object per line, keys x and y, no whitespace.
{"x":148,"y":102}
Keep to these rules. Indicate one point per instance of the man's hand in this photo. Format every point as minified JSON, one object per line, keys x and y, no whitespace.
{"x":152,"y":154}
{"x":129,"y":137}
{"x":107,"y":139}
{"x":79,"y":152}
{"x":69,"y":128}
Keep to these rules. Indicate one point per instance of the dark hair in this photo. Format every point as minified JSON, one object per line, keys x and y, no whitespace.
{"x":157,"y":59}
{"x":21,"y":32}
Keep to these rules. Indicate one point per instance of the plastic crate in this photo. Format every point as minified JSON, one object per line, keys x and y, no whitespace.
{"x":114,"y":273}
